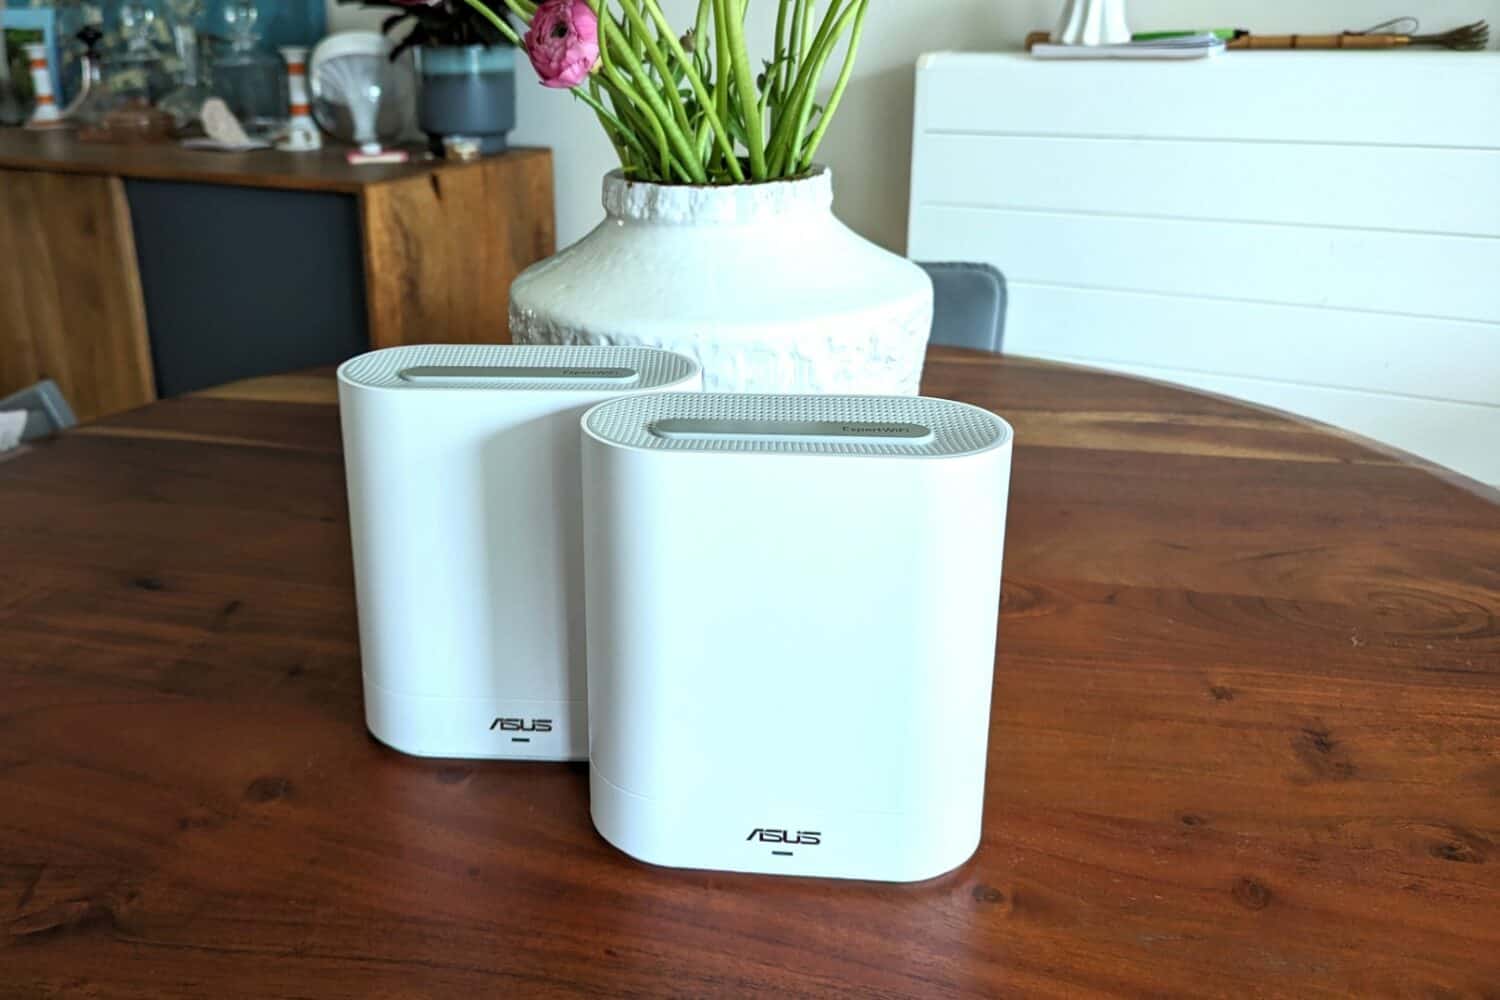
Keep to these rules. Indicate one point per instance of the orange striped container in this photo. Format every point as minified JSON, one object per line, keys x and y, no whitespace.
{"x":46,"y":112}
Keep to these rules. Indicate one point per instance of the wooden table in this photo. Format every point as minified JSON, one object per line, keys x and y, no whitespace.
{"x":1246,"y":738}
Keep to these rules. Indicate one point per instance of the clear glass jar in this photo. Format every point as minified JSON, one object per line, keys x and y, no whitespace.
{"x":185,"y":102}
{"x":251,"y":79}
{"x":137,"y":73}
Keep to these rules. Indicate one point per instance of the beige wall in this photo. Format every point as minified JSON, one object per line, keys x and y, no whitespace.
{"x":869,"y":145}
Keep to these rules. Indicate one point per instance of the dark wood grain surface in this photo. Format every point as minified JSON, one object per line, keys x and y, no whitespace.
{"x":1246,"y":738}
{"x":326,"y":170}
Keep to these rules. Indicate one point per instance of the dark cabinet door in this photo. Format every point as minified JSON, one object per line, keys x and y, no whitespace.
{"x":240,"y":282}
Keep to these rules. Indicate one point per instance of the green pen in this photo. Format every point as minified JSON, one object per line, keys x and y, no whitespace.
{"x":1227,"y":34}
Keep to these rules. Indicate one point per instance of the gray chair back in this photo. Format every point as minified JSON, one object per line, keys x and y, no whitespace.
{"x":47,"y":412}
{"x":968,"y":305}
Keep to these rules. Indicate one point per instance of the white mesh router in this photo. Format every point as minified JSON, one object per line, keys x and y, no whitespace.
{"x":463,"y":473}
{"x":791,"y":606}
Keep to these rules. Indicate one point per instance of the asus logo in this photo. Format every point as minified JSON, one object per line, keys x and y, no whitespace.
{"x":522,"y":725}
{"x":805,"y":838}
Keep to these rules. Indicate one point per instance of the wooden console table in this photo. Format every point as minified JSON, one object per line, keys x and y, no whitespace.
{"x":132,"y":271}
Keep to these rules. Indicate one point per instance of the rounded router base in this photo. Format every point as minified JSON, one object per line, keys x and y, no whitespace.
{"x":819,"y":843}
{"x":477,"y":728}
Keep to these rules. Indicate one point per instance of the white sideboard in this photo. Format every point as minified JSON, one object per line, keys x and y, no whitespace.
{"x":1314,"y":231}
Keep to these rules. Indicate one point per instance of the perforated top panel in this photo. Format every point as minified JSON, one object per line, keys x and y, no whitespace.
{"x":814,"y":425}
{"x":495,"y":367}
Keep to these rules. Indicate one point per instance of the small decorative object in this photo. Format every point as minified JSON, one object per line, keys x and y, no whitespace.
{"x":302,"y":133}
{"x":356,"y":83}
{"x":44,"y":113}
{"x":185,"y":102}
{"x":720,"y":241}
{"x":1092,"y":22}
{"x":137,"y":72}
{"x":460,"y":147}
{"x":20,"y":27}
{"x":467,"y":72}
{"x":223,"y":131}
{"x":131,"y":120}
{"x":120,"y":110}
{"x":467,"y":92}
{"x":250,"y":79}
{"x":90,"y":106}
{"x":358,"y":95}
{"x":1394,"y":34}
{"x":1198,"y":45}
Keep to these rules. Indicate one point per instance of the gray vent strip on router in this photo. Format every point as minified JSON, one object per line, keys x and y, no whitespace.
{"x":957,"y":428}
{"x":382,"y":369}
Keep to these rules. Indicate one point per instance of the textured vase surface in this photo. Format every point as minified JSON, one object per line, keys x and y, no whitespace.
{"x":759,"y":282}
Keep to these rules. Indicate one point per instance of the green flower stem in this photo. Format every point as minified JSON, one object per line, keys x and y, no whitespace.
{"x":744,"y":81}
{"x":628,"y":103}
{"x":700,"y":28}
{"x":524,"y":9}
{"x":683,"y":148}
{"x":817,"y":61}
{"x":658,"y":60}
{"x":634,"y":109}
{"x":721,"y":64}
{"x":838,"y":88}
{"x":778,"y":59}
{"x":621,"y":137}
{"x":498,"y":21}
{"x":637,"y":41}
{"x":787,"y":146}
{"x":613,"y":128}
{"x":795,"y":32}
{"x":630,"y":106}
{"x":807,"y":20}
{"x":705,"y":99}
{"x":781,"y":135}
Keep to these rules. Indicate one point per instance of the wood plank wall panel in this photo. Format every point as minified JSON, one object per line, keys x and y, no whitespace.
{"x":1313,"y":231}
{"x":442,"y":250}
{"x":70,"y":297}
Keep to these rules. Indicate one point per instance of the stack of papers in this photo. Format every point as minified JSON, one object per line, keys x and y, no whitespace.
{"x":1199,"y":46}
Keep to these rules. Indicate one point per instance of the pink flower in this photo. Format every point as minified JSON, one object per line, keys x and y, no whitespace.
{"x":563,"y":42}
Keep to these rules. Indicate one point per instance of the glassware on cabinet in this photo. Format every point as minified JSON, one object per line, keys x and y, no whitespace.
{"x":92,"y":102}
{"x":137,"y":74}
{"x":185,"y":101}
{"x":250,"y":79}
{"x":117,"y":106}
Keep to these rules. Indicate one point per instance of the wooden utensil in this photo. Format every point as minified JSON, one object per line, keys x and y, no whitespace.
{"x":1467,"y":38}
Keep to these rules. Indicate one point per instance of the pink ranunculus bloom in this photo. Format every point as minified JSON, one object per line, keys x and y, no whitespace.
{"x":563,"y":42}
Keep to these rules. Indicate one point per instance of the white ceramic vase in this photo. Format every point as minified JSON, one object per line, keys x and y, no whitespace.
{"x":759,"y":282}
{"x":1092,"y":22}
